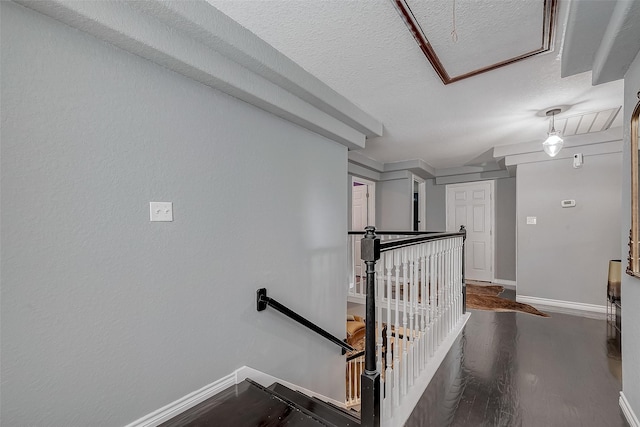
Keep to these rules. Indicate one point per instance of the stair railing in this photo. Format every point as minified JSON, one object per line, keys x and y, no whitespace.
{"x":355,"y":368}
{"x":357,"y":266}
{"x":418,"y":282}
{"x":263,"y":301}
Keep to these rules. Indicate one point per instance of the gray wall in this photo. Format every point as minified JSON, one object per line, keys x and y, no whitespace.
{"x":505,"y":204}
{"x":394,"y":201}
{"x":505,"y":237}
{"x":565,"y":256}
{"x":107,"y":317}
{"x":436,"y":200}
{"x":630,"y":285}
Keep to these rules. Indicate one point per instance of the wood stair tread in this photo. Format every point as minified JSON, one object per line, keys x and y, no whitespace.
{"x":324,"y":410}
{"x":245,"y":404}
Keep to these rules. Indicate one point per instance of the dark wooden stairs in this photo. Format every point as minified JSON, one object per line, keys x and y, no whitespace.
{"x":250,"y":404}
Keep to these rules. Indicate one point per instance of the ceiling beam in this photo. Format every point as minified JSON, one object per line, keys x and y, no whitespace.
{"x":198,"y":41}
{"x":619,"y":45}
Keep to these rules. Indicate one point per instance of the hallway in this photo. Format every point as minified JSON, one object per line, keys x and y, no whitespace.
{"x":515,"y":369}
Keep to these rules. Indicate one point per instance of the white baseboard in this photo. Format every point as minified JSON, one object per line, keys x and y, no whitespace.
{"x":510,"y":284}
{"x":410,"y":400}
{"x":401,"y":415}
{"x":177,"y":407}
{"x":567,"y":307}
{"x":631,"y":417}
{"x":189,"y":401}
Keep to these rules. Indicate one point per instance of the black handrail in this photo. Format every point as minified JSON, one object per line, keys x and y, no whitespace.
{"x":355,"y":355}
{"x":408,"y":241}
{"x":263,"y":301}
{"x":399,"y":233}
{"x":412,"y":237}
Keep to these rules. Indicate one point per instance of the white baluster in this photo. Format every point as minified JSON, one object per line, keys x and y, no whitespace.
{"x":409,"y":332}
{"x":440,"y":292}
{"x":350,"y":380}
{"x":405,"y":287}
{"x":432,"y":299}
{"x":453,"y":284}
{"x":460,"y":277}
{"x":448,"y":287}
{"x":416,"y":303}
{"x":424,"y":304}
{"x":419,"y":311}
{"x":360,"y":371}
{"x":452,"y":275}
{"x":397,"y":261}
{"x":388,"y":380}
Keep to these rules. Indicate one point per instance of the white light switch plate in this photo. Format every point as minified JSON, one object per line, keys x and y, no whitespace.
{"x":161,"y":211}
{"x":531,"y":220}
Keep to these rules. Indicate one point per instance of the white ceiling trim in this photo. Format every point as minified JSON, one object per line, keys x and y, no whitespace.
{"x":471,"y":177}
{"x":198,"y":41}
{"x":535,"y":147}
{"x":619,"y":44}
{"x":566,"y":153}
{"x":418,"y":23}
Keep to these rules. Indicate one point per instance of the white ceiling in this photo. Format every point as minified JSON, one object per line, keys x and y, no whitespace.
{"x":364,"y":51}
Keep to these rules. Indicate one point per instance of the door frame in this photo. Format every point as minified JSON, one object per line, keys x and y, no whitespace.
{"x":422,"y":202}
{"x":371,"y":200}
{"x":492,"y":184}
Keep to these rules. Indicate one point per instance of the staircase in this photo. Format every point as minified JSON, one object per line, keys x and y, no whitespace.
{"x":250,"y":404}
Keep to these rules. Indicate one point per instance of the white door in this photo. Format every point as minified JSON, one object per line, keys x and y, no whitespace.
{"x":471,"y":205}
{"x":359,"y":208}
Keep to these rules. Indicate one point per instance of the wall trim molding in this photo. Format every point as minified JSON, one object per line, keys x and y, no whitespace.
{"x":187,"y":402}
{"x":510,"y":284}
{"x":631,"y":417}
{"x":184,"y":403}
{"x":568,"y":307}
{"x":198,"y":41}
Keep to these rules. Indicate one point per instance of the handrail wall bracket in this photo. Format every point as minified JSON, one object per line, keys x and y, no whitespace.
{"x":262,"y":299}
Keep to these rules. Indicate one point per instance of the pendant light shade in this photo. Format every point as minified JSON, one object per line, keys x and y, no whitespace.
{"x":553,"y":144}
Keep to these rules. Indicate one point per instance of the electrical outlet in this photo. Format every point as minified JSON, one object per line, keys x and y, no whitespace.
{"x":161,"y":211}
{"x":532,"y":220}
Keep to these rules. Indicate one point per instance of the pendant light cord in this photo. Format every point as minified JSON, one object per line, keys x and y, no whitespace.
{"x":454,"y":33}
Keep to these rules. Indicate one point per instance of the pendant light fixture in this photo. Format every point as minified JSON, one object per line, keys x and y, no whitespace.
{"x":553,"y":144}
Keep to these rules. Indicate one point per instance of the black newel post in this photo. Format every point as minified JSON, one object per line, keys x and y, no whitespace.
{"x":464,"y":284}
{"x":370,"y":379}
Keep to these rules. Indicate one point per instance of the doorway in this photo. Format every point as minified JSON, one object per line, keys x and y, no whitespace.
{"x":471,"y":204}
{"x":363,"y":202}
{"x":418,"y":209}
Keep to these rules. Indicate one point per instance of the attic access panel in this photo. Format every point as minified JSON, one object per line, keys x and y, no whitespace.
{"x":490,"y":33}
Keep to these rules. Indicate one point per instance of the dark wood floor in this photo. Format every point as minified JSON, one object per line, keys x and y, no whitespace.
{"x":515,"y":369}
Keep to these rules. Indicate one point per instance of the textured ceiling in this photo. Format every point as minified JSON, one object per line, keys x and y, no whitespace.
{"x":364,"y":50}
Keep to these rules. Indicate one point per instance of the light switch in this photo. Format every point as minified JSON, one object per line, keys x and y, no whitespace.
{"x":531,"y":220}
{"x":161,"y":211}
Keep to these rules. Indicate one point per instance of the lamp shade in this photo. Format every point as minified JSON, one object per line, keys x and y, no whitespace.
{"x":553,"y":144}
